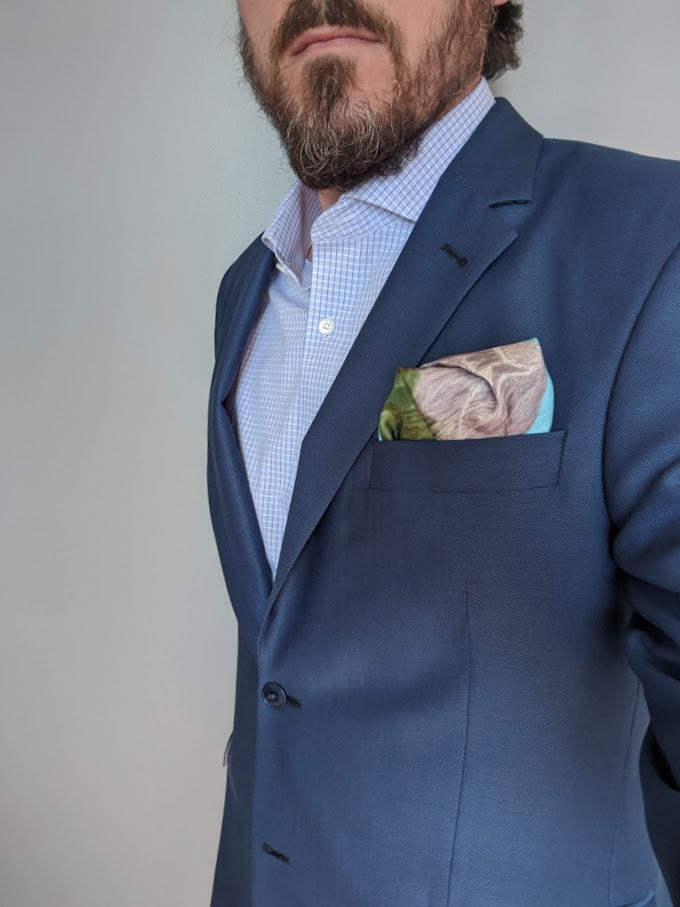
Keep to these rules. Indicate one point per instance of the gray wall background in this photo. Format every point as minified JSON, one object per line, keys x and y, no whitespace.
{"x":134,"y":168}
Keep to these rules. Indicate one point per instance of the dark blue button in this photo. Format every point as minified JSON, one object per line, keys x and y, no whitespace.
{"x":274,"y":695}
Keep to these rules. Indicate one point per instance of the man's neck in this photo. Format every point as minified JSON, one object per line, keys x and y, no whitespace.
{"x":328,"y":197}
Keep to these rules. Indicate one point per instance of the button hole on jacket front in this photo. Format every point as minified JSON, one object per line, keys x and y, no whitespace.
{"x":461,"y":259}
{"x":275,"y":853}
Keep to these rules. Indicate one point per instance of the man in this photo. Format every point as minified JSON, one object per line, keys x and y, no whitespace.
{"x":459,"y":658}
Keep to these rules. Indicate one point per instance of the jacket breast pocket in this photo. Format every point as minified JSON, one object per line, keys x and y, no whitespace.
{"x":468,"y":466}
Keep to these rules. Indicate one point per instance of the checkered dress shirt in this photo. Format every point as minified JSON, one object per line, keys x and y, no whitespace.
{"x":313,"y":310}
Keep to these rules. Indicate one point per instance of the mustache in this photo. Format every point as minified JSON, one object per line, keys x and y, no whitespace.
{"x":302,"y":15}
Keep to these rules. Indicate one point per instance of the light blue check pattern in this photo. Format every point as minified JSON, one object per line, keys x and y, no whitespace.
{"x":313,"y":310}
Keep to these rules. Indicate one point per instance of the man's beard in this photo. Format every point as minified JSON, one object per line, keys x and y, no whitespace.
{"x":334,"y":137}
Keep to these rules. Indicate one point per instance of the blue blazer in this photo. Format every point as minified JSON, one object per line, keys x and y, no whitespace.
{"x":463,"y":686}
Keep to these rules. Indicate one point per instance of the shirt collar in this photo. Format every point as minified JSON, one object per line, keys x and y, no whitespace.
{"x":404,"y":195}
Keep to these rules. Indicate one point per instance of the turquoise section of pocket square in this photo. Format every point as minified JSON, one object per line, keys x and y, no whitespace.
{"x":544,"y":419}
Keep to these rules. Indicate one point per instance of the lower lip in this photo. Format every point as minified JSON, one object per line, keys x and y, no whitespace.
{"x":334,"y":44}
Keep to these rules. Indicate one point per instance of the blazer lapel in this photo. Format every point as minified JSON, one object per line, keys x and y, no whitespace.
{"x":425,"y":288}
{"x":239,"y":310}
{"x":237,"y":530}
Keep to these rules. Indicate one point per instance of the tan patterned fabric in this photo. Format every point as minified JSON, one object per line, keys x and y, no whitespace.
{"x":493,"y":392}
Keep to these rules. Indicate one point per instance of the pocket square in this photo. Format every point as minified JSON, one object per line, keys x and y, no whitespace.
{"x":504,"y":390}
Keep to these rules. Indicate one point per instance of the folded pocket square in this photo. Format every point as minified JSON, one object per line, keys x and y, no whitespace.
{"x":505,"y":390}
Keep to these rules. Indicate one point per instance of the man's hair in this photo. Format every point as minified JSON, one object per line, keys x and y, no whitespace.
{"x":504,"y":36}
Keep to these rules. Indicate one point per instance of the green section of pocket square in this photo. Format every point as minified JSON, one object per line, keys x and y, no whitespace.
{"x":400,"y":419}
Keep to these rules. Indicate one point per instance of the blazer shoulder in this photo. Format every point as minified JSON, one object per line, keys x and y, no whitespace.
{"x":610,"y":190}
{"x":636,"y":177}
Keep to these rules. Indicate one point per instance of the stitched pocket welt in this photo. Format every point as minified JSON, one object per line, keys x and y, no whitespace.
{"x":468,"y":466}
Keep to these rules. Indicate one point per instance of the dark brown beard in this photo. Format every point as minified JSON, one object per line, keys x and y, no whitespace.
{"x":334,"y":139}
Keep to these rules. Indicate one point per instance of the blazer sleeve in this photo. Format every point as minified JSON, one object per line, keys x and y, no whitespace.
{"x":642,"y":488}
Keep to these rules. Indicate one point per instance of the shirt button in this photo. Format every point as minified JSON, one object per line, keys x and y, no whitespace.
{"x":274,"y":695}
{"x":326,"y":326}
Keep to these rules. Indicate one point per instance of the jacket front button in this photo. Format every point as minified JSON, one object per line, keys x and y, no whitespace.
{"x":274,"y":695}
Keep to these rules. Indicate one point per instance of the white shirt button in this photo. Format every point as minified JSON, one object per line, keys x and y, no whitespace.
{"x":326,"y":326}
